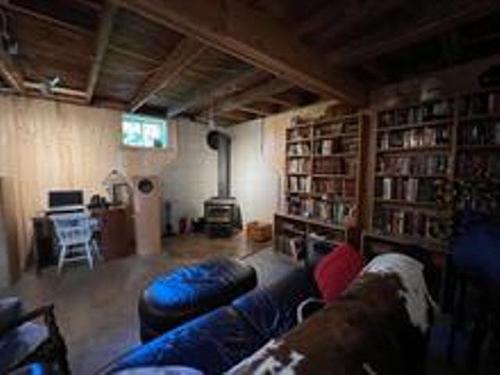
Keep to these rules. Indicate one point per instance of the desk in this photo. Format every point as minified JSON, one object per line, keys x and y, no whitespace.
{"x":115,"y":236}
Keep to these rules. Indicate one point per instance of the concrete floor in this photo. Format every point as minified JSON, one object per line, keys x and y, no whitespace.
{"x":97,"y":309}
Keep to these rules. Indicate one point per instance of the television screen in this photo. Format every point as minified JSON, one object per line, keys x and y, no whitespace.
{"x":65,"y":198}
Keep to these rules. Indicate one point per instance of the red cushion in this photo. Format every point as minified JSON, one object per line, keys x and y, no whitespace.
{"x":335,"y":271}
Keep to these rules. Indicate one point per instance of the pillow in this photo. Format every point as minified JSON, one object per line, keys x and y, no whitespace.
{"x":335,"y":271}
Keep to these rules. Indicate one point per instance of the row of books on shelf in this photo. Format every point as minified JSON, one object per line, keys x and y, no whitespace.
{"x":345,"y":166}
{"x":478,"y":164}
{"x":422,"y":165}
{"x":407,"y":189}
{"x":424,"y":112}
{"x":479,"y":133}
{"x":299,"y":149}
{"x":336,"y":128}
{"x":344,"y":187}
{"x":300,"y":184}
{"x":329,"y":212}
{"x":333,"y":146}
{"x":399,"y":222}
{"x":479,"y":104}
{"x":483,"y":103}
{"x":414,"y":138}
{"x":299,"y":166}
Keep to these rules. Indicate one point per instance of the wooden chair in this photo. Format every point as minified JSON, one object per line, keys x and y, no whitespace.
{"x":24,"y":341}
{"x":74,"y":236}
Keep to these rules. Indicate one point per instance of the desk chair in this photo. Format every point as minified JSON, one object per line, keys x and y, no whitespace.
{"x":74,"y":235}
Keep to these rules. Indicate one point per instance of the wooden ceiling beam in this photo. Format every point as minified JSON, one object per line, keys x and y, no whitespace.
{"x":255,"y":111}
{"x":272,"y":87}
{"x":220,"y":88}
{"x":183,"y":55}
{"x":103,"y":37}
{"x":9,"y":71}
{"x":66,"y":91}
{"x":439,"y":18}
{"x":255,"y":37}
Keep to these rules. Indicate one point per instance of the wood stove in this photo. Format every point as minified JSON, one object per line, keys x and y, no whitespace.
{"x":222,"y":213}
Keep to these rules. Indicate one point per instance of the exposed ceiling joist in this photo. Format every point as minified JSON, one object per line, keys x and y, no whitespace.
{"x":65,"y":91}
{"x":255,"y":111}
{"x":103,"y":37}
{"x":221,"y":87}
{"x":187,"y":51}
{"x":10,"y":72}
{"x":272,"y":87}
{"x":440,"y":18}
{"x":255,"y":37}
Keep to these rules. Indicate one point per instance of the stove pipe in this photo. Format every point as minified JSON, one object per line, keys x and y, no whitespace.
{"x":222,"y":144}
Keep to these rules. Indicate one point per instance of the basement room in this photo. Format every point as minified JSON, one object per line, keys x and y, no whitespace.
{"x":250,"y":187}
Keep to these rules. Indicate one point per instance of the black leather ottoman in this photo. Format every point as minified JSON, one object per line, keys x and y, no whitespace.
{"x":190,"y":291}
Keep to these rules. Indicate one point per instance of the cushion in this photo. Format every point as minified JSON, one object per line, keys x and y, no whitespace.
{"x":191,"y":291}
{"x":211,"y":343}
{"x":337,"y":270}
{"x":272,"y":309}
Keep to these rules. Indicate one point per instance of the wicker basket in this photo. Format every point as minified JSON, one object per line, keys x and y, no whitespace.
{"x":259,"y":232}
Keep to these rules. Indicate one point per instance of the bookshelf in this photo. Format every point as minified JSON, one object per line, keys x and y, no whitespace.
{"x":421,"y":147}
{"x":323,"y":179}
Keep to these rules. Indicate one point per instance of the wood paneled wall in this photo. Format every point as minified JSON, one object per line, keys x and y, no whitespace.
{"x":48,"y":145}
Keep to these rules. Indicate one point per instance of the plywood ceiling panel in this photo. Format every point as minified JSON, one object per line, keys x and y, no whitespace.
{"x":121,"y":77}
{"x":49,"y":51}
{"x":139,"y":36}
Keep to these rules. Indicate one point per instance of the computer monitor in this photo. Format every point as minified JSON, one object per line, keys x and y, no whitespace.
{"x":63,"y":198}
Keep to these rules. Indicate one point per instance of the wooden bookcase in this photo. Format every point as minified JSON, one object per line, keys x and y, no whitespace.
{"x":324,"y":178}
{"x":420,"y":147}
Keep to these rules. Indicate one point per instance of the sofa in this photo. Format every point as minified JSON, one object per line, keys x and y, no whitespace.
{"x":378,"y":325}
{"x":216,"y":341}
